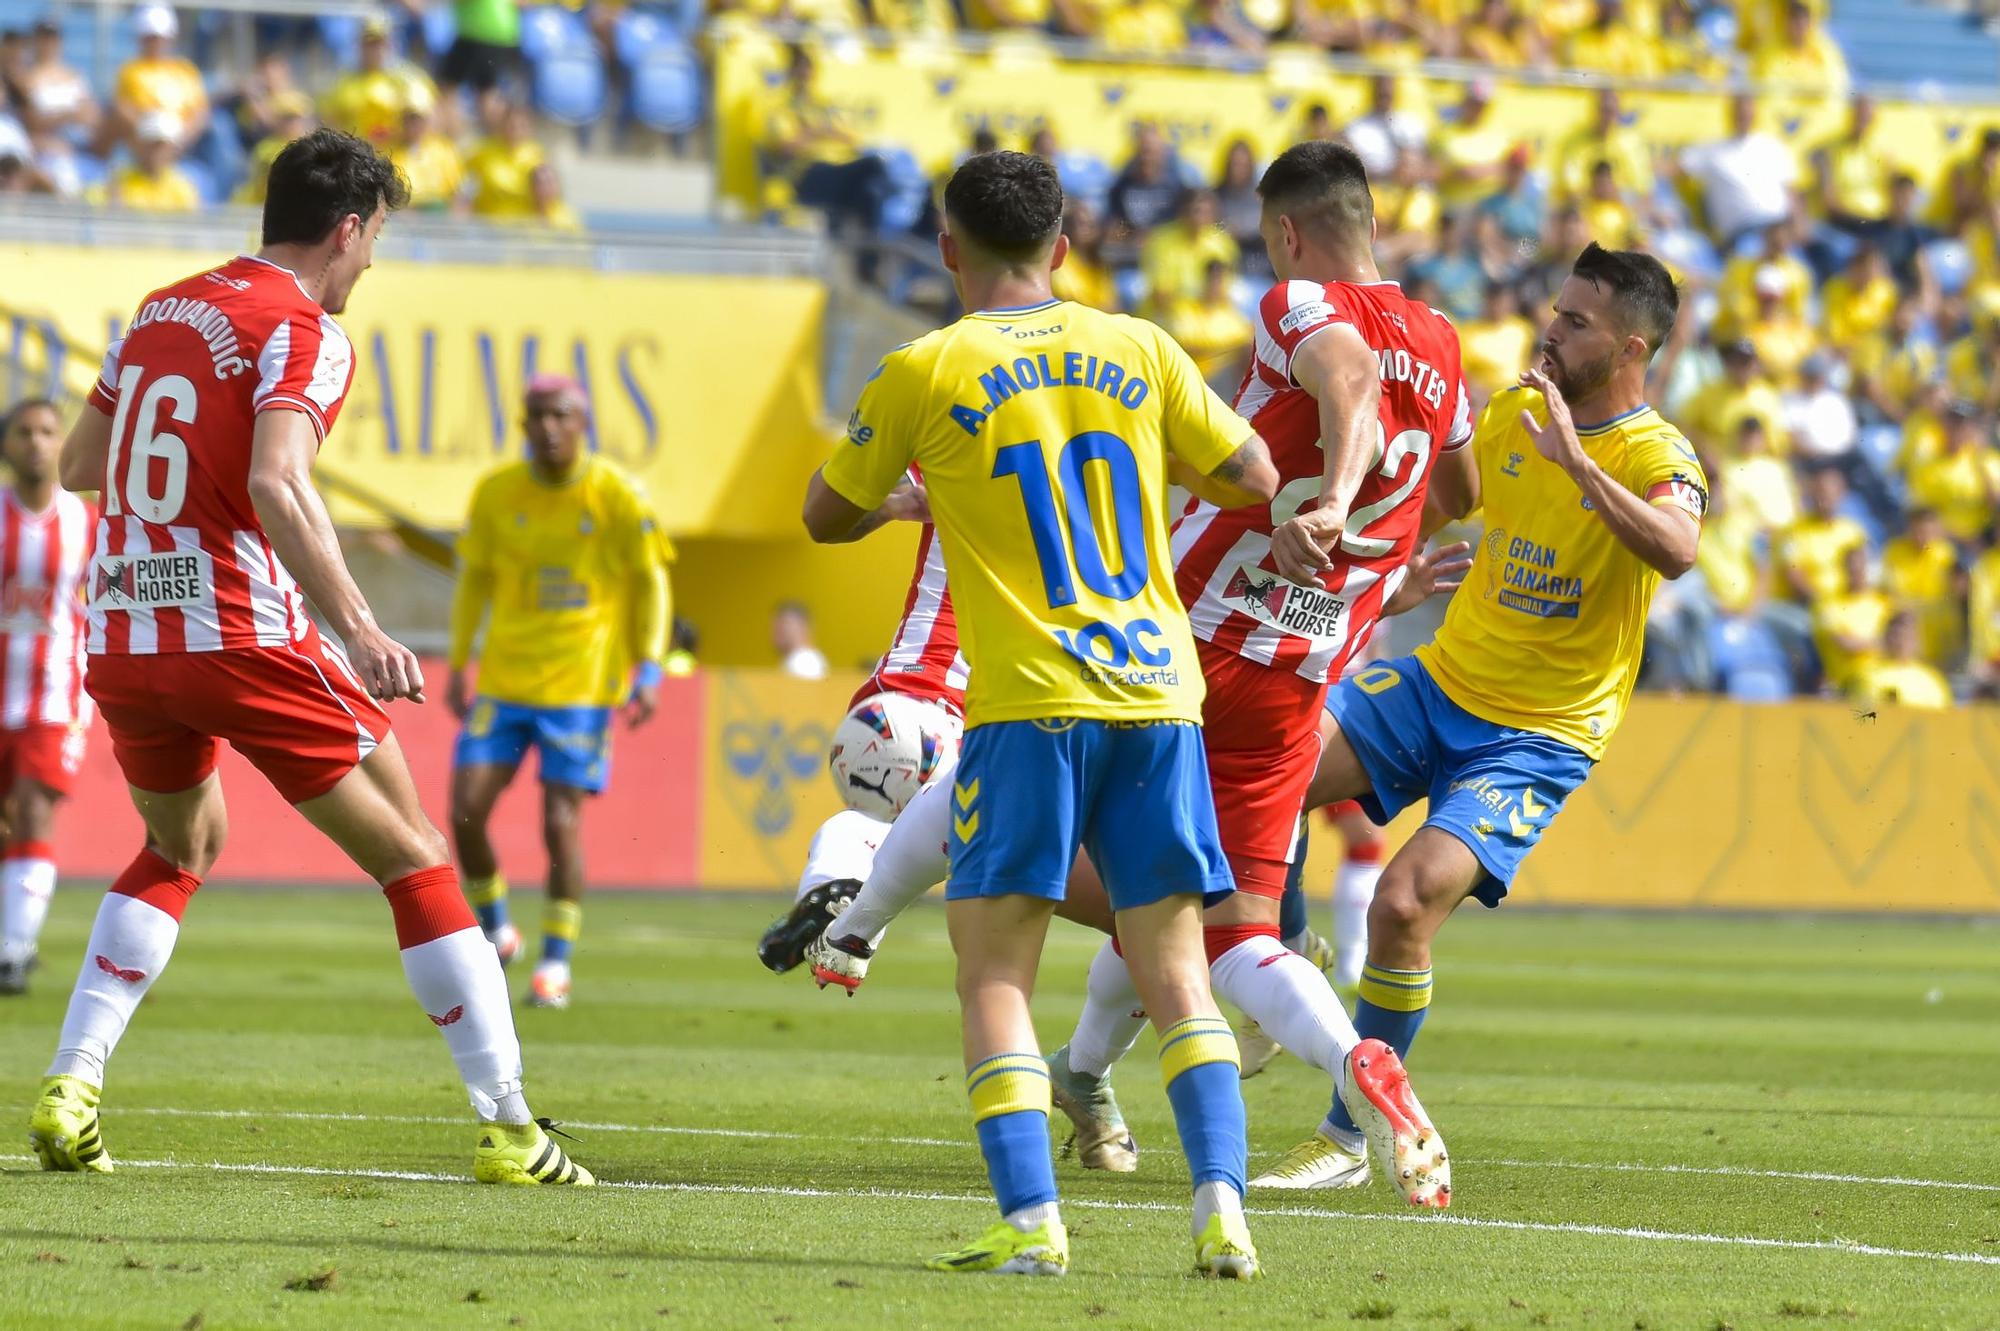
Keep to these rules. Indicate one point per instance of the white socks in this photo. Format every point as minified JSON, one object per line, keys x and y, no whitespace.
{"x":1289,"y":998}
{"x":458,"y":980}
{"x":1028,"y":1218}
{"x":25,"y":888}
{"x":910,"y":863}
{"x":129,"y":947}
{"x":1353,"y":891}
{"x":843,"y":847}
{"x":1214,"y":1199}
{"x":1112,"y":1016}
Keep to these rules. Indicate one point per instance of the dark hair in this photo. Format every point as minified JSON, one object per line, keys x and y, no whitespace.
{"x":13,"y":413}
{"x":323,"y":177}
{"x":1008,"y":204}
{"x":1642,"y":290}
{"x":1323,"y":185}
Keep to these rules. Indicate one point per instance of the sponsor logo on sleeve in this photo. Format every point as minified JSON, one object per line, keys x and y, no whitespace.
{"x":1305,"y":316}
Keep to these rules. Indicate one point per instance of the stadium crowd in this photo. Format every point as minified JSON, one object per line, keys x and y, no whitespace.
{"x":165,"y":141}
{"x":1835,"y":376}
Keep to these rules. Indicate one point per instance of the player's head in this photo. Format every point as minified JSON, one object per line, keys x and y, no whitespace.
{"x":31,"y":439}
{"x":554,"y":415}
{"x":1613,"y":312}
{"x":328,"y":195}
{"x":1002,"y":218}
{"x":1317,"y":208}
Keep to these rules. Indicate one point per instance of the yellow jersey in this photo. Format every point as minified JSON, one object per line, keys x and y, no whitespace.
{"x":1043,"y":436}
{"x":1902,"y":684}
{"x":1815,"y":548}
{"x":571,"y":580}
{"x":1546,"y":633}
{"x":169,"y":192}
{"x":1982,"y":609}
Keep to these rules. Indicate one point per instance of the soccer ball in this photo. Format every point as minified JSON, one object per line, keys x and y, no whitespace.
{"x":885,"y":751}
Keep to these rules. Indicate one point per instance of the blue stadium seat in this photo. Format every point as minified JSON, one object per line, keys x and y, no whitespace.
{"x":1717,"y":27}
{"x":640,"y":32}
{"x":912,"y":189}
{"x":342,"y":35}
{"x":569,"y":86}
{"x":1745,"y":647}
{"x":665,"y":95}
{"x":1758,"y":686}
{"x":440,"y":28}
{"x":548,"y":30}
{"x":1951,"y":264}
{"x":205,"y":184}
{"x":1085,"y":176}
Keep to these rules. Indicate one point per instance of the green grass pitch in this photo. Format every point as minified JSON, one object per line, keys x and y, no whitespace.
{"x":1654,"y":1121}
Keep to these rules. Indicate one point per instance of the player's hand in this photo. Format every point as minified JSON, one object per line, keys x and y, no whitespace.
{"x":1302,"y":547}
{"x":386,"y":668}
{"x":645,"y":701}
{"x":1440,"y":570}
{"x":908,"y":502}
{"x":458,"y":694}
{"x":1557,"y":440}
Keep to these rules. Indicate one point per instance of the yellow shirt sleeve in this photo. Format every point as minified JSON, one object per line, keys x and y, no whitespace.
{"x":1200,"y":428}
{"x":645,"y":552}
{"x":881,"y":437}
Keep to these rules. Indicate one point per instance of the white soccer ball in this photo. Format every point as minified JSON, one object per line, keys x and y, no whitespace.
{"x":885,"y":750}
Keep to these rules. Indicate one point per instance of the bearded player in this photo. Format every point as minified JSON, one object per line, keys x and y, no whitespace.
{"x":1499,"y":719}
{"x":201,"y":434}
{"x":45,"y":536}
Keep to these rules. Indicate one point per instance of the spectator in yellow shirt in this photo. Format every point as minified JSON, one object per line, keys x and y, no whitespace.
{"x":291,"y":117}
{"x":428,"y":160}
{"x":1972,"y":362}
{"x":1920,"y":570}
{"x":1973,"y":183}
{"x":1892,"y":366}
{"x":1859,"y":301}
{"x":1963,"y":482}
{"x":1806,"y":60}
{"x":1783,"y":339}
{"x":369,"y":102}
{"x":1848,"y":623}
{"x":1613,"y":45}
{"x":1211,"y":327}
{"x":1142,"y":27}
{"x":1496,"y":346}
{"x":1607,"y":139}
{"x":1607,"y":212}
{"x":1084,"y":276}
{"x":1736,"y":292}
{"x":1503,"y":37}
{"x":156,"y":81}
{"x":1759,"y":486}
{"x":502,"y":168}
{"x":1174,"y":257}
{"x":1812,"y":552}
{"x":154,"y":183}
{"x":1899,"y":678}
{"x":1470,"y":154}
{"x":1982,"y":614}
{"x":551,"y":209}
{"x":1852,"y":172}
{"x":1714,"y":416}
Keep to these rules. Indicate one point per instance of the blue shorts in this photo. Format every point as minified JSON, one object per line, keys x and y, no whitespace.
{"x":1027,"y":793}
{"x":574,"y":743}
{"x":1491,"y":786}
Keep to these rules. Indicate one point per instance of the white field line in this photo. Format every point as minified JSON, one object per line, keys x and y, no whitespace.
{"x":1711,"y":1171}
{"x":1293,"y":1212}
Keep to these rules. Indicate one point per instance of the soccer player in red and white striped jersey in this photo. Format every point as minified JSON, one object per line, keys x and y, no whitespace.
{"x":201,"y":435}
{"x":45,"y":537}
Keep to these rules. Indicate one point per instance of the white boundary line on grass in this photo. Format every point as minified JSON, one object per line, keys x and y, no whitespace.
{"x":1291,"y":1212}
{"x":1711,"y":1171}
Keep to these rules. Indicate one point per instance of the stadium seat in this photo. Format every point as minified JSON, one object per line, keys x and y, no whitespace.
{"x":665,"y":95}
{"x":912,"y":189}
{"x":1717,"y":27}
{"x":569,"y":86}
{"x":440,"y":29}
{"x":342,"y":35}
{"x":640,"y":32}
{"x":1085,"y":176}
{"x":1758,"y":686}
{"x":1951,"y":264}
{"x":203,"y":178}
{"x":1743,"y":648}
{"x":548,"y":30}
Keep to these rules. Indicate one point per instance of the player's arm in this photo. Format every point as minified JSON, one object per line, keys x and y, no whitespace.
{"x":651,"y":610}
{"x":86,"y":451}
{"x":1666,"y":536}
{"x":294,"y":517}
{"x":833,"y":519}
{"x":1247,"y":476}
{"x":1345,"y":378}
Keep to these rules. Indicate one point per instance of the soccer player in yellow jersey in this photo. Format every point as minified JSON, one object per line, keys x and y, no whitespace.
{"x":1498,"y":719}
{"x":1045,"y":433}
{"x":563,"y":560}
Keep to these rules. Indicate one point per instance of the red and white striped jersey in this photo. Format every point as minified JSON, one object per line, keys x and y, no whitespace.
{"x":43,"y":559}
{"x":923,"y":660}
{"x":182,"y":562}
{"x":1222,"y":557}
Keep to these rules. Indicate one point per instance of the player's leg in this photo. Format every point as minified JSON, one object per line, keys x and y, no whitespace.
{"x":1353,"y":890}
{"x":1296,"y":933}
{"x":27,"y":877}
{"x":1152,"y":834}
{"x":1106,"y":1029}
{"x":839,"y":858}
{"x":484,"y":758}
{"x":910,"y":862}
{"x":1019,"y":789}
{"x":562,"y":912}
{"x":137,"y":925}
